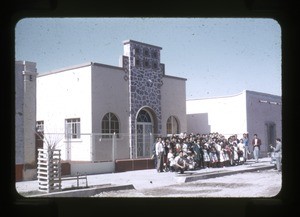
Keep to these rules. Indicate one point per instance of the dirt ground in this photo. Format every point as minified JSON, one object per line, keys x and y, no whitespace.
{"x":266,"y":183}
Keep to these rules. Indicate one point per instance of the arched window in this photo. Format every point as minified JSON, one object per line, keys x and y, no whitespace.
{"x":172,"y":125}
{"x":143,"y":116}
{"x":110,"y":125}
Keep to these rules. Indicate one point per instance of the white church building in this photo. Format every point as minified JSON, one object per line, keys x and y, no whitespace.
{"x":100,"y":113}
{"x":105,"y":118}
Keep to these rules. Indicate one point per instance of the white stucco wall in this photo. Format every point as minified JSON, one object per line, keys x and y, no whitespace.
{"x":66,"y":94}
{"x":19,"y":102}
{"x":226,"y":115}
{"x":173,"y":102}
{"x":29,"y":75}
{"x":25,"y":114}
{"x":25,"y":98}
{"x":110,"y":94}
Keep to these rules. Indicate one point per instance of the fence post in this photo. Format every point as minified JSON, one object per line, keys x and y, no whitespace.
{"x":113,"y":149}
{"x":92,"y":147}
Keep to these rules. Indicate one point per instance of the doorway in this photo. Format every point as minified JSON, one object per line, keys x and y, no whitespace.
{"x":271,"y":134}
{"x":144,"y":130}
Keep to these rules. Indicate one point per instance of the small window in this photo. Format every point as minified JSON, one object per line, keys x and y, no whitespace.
{"x":110,"y":125}
{"x":146,"y":63}
{"x":154,"y":65}
{"x":154,"y":54}
{"x":137,"y":62}
{"x":136,"y":51}
{"x":146,"y":52}
{"x":172,"y":125}
{"x":72,"y":128}
{"x":39,"y":126}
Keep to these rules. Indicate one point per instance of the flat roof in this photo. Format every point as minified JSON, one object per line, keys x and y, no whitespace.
{"x":170,"y":76}
{"x":78,"y":66}
{"x":95,"y":64}
{"x":243,"y":92}
{"x":141,"y":43}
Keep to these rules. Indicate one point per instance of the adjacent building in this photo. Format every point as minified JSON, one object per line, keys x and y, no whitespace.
{"x":246,"y":112}
{"x":25,"y":119}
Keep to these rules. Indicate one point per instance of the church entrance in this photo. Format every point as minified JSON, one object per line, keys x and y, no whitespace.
{"x":144,"y":130}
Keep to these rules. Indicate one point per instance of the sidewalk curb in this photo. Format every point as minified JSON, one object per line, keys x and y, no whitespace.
{"x":192,"y":178}
{"x":87,"y":192}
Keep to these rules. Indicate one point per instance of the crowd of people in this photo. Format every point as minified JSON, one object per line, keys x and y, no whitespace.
{"x":178,"y":153}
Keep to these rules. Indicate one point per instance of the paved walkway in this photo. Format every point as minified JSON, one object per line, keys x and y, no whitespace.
{"x":143,"y":179}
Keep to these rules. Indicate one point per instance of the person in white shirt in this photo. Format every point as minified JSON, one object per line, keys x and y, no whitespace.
{"x":171,"y":160}
{"x":159,"y":151}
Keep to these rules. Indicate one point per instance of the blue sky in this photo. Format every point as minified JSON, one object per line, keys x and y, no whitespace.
{"x":218,"y":56}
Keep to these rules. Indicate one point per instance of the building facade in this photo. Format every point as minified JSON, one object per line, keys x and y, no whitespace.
{"x":25,"y":119}
{"x":96,"y":113}
{"x":99,"y":114}
{"x":247,"y":112}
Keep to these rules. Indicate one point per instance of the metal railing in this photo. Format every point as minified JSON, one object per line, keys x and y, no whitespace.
{"x":101,"y":147}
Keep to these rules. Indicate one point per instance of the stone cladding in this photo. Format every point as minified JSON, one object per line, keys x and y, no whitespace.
{"x":144,"y":73}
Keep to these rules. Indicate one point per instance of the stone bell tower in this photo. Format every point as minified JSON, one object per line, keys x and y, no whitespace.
{"x":144,"y":74}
